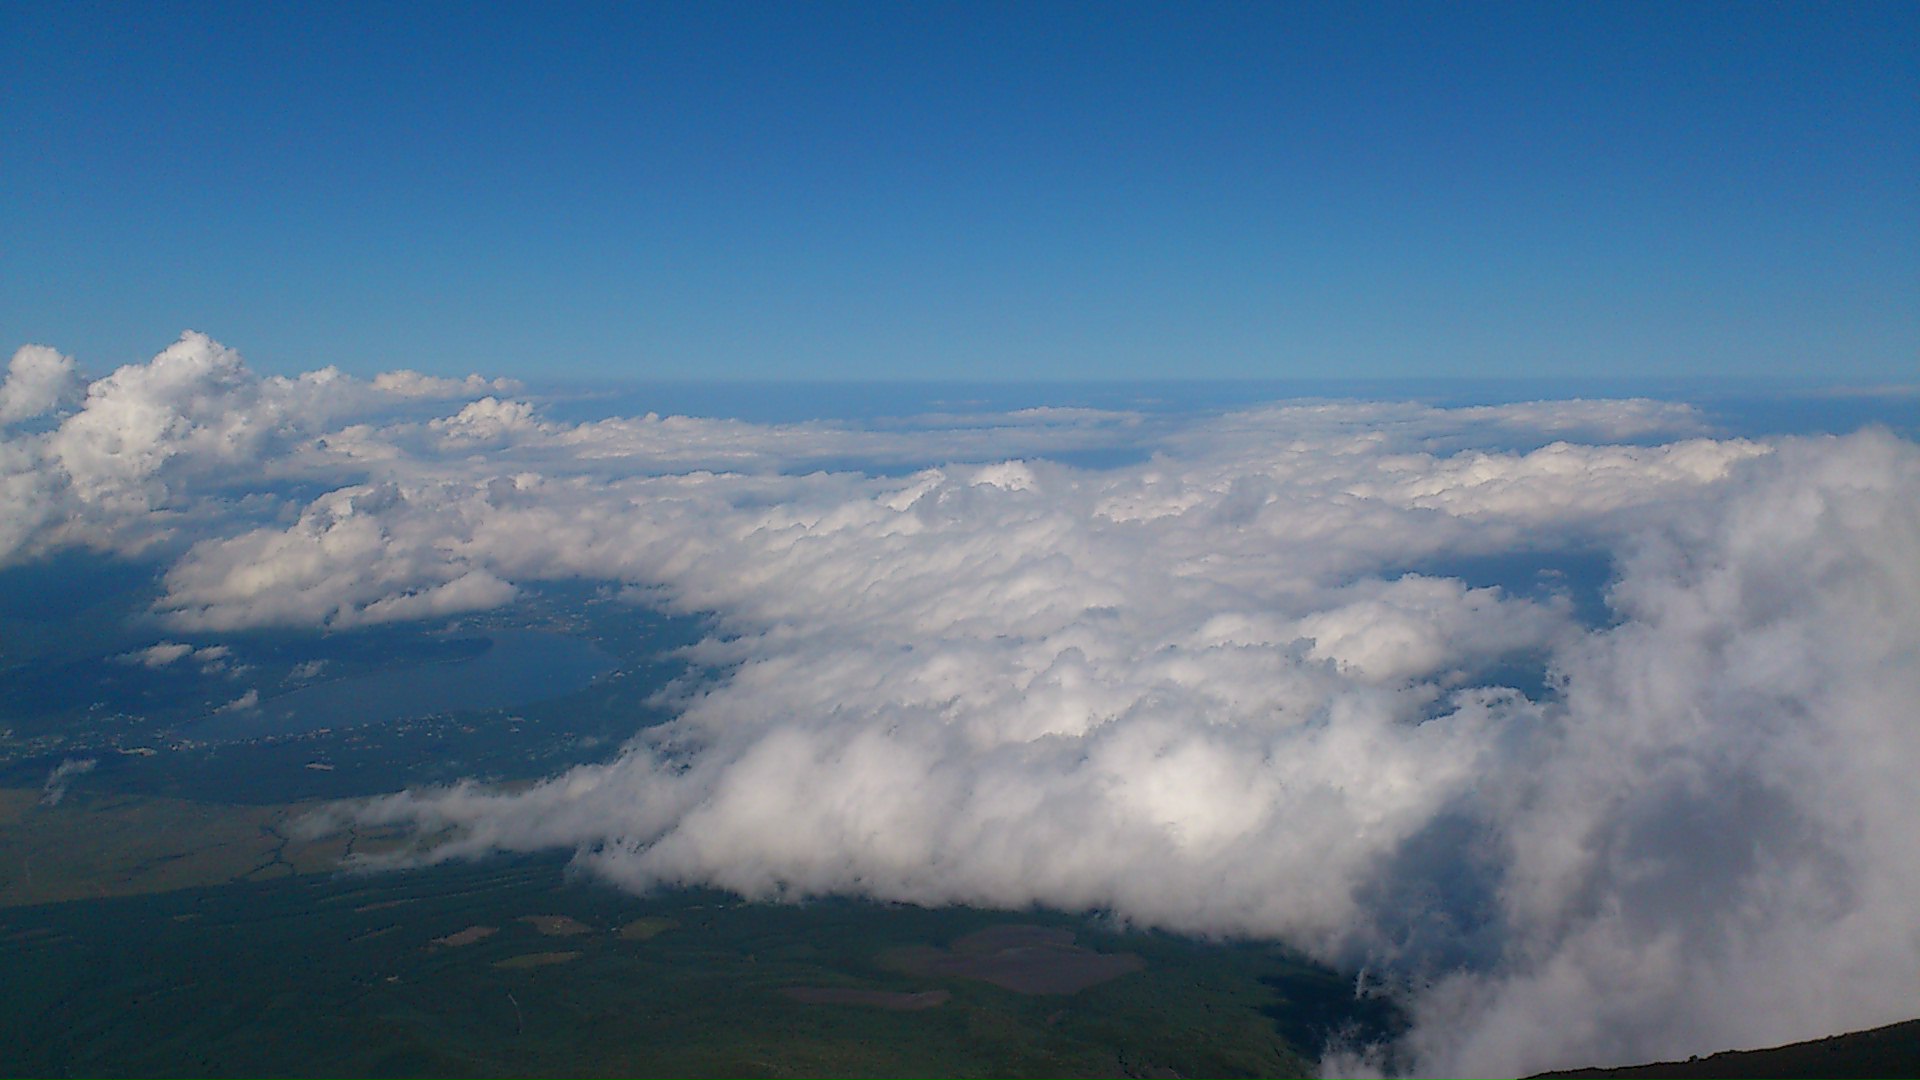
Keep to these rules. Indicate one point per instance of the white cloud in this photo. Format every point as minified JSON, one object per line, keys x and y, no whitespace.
{"x":413,"y":384}
{"x":39,"y":380}
{"x":58,"y":780}
{"x":246,"y":702}
{"x":160,"y":655}
{"x":1415,"y":626}
{"x":341,"y":564}
{"x":210,"y":657}
{"x":1222,"y":691}
{"x":1714,"y":849}
{"x":488,"y":420}
{"x":194,"y":398}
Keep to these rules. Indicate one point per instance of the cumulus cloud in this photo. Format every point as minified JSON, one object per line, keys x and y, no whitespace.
{"x":246,"y":702}
{"x":160,"y":655}
{"x":193,"y":400}
{"x":413,"y":384}
{"x":209,"y":657}
{"x":39,"y":380}
{"x":192,"y":443}
{"x":339,"y":565}
{"x":153,"y":447}
{"x":487,"y":421}
{"x":1228,"y":690}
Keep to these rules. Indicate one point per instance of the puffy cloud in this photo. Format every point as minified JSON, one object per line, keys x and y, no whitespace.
{"x":194,"y":398}
{"x":246,"y":702}
{"x":39,"y":380}
{"x":211,"y":658}
{"x":30,"y":500}
{"x":192,"y":444}
{"x":413,"y":384}
{"x":488,"y":420}
{"x":148,"y":432}
{"x":155,"y":448}
{"x":160,"y":655}
{"x":1225,"y":690}
{"x":1416,"y":625}
{"x":338,"y":565}
{"x":1710,"y":847}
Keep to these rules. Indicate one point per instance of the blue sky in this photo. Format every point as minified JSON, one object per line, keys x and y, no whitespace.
{"x":1030,"y":191}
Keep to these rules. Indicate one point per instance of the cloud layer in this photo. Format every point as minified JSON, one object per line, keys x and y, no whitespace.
{"x":1231,"y":690}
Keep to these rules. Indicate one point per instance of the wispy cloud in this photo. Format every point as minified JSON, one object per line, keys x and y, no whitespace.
{"x":61,"y":778}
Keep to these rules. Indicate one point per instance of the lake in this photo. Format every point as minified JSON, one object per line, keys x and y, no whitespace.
{"x":518,"y":667}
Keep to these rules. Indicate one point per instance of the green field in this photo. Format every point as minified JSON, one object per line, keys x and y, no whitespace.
{"x":318,"y":974}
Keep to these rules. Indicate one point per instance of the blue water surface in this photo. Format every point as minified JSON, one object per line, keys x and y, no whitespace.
{"x":519,"y":667}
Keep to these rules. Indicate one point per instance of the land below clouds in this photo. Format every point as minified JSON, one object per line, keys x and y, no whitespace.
{"x":254,"y":954}
{"x":145,"y":876}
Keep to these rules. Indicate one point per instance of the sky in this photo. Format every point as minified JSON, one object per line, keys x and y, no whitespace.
{"x":752,"y":192}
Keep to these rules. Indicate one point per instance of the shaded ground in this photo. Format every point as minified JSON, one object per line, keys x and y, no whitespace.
{"x":325,"y":974}
{"x":1024,"y":959}
{"x":1893,"y":1050}
{"x":883,"y":999}
{"x":468,"y":936}
{"x":557,"y":925}
{"x":539,"y":959}
{"x":646,"y":928}
{"x":94,"y":845}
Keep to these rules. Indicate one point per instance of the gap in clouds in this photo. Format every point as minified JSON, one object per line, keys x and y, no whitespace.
{"x":1581,"y":576}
